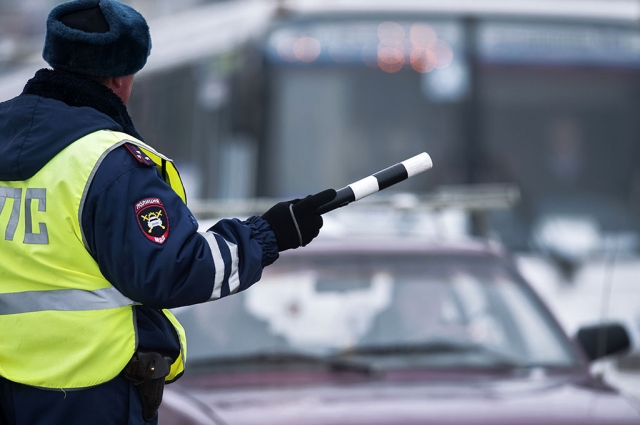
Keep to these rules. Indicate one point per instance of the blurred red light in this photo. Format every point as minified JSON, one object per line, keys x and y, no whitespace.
{"x":390,"y":59}
{"x":307,"y":49}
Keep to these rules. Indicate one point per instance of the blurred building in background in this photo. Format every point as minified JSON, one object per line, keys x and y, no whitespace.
{"x":257,"y":98}
{"x":280,"y":99}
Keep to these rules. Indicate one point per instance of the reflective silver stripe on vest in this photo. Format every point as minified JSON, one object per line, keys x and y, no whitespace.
{"x":62,"y":300}
{"x":86,"y":190}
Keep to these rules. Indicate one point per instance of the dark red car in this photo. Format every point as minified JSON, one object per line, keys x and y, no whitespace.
{"x":391,"y":332}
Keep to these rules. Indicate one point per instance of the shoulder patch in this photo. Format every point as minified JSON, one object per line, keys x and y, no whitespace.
{"x":153,"y":220}
{"x":140,"y":156}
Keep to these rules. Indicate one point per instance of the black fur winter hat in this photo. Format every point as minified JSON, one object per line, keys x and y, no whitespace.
{"x":98,"y":38}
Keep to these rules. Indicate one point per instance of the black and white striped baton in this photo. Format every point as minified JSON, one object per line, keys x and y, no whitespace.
{"x":378,"y":181}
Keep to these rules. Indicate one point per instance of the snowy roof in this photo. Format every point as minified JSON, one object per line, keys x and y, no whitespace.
{"x":205,"y":31}
{"x":600,"y":10}
{"x":177,"y":39}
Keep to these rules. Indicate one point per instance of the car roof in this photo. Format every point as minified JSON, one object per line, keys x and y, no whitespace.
{"x":335,"y":246}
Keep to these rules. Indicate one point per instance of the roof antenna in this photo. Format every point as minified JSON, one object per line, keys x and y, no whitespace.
{"x":606,"y":298}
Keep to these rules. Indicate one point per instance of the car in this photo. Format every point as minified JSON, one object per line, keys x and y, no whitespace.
{"x":392,"y":330}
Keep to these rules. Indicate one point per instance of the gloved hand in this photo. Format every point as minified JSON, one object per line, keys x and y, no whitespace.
{"x":296,"y":222}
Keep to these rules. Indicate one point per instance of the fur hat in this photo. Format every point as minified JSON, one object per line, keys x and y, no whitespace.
{"x":98,"y":38}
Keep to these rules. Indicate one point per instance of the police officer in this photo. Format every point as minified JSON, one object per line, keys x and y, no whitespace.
{"x":96,"y":241}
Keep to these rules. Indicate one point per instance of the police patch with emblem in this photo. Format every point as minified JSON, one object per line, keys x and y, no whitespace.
{"x":153,"y":219}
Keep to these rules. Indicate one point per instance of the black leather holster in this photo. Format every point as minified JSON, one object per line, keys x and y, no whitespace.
{"x":147,"y":371}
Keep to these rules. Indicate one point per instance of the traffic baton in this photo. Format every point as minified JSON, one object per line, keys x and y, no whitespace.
{"x":378,"y":181}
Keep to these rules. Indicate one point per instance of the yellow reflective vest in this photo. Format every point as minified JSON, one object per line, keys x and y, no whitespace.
{"x":62,"y":324}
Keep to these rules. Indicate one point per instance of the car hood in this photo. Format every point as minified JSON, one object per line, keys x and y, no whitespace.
{"x":412,"y":399}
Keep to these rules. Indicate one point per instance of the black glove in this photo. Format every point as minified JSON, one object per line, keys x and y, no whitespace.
{"x":295,"y":223}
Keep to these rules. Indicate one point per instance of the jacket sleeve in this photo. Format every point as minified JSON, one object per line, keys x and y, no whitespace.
{"x":146,"y":241}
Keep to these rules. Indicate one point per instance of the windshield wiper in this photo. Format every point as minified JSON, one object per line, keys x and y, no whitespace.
{"x":498,"y":358}
{"x":334,"y":364}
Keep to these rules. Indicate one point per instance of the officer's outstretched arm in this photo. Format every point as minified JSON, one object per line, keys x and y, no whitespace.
{"x":147,"y":244}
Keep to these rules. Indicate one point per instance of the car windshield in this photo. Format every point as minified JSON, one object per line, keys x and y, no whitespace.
{"x":389,"y":311}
